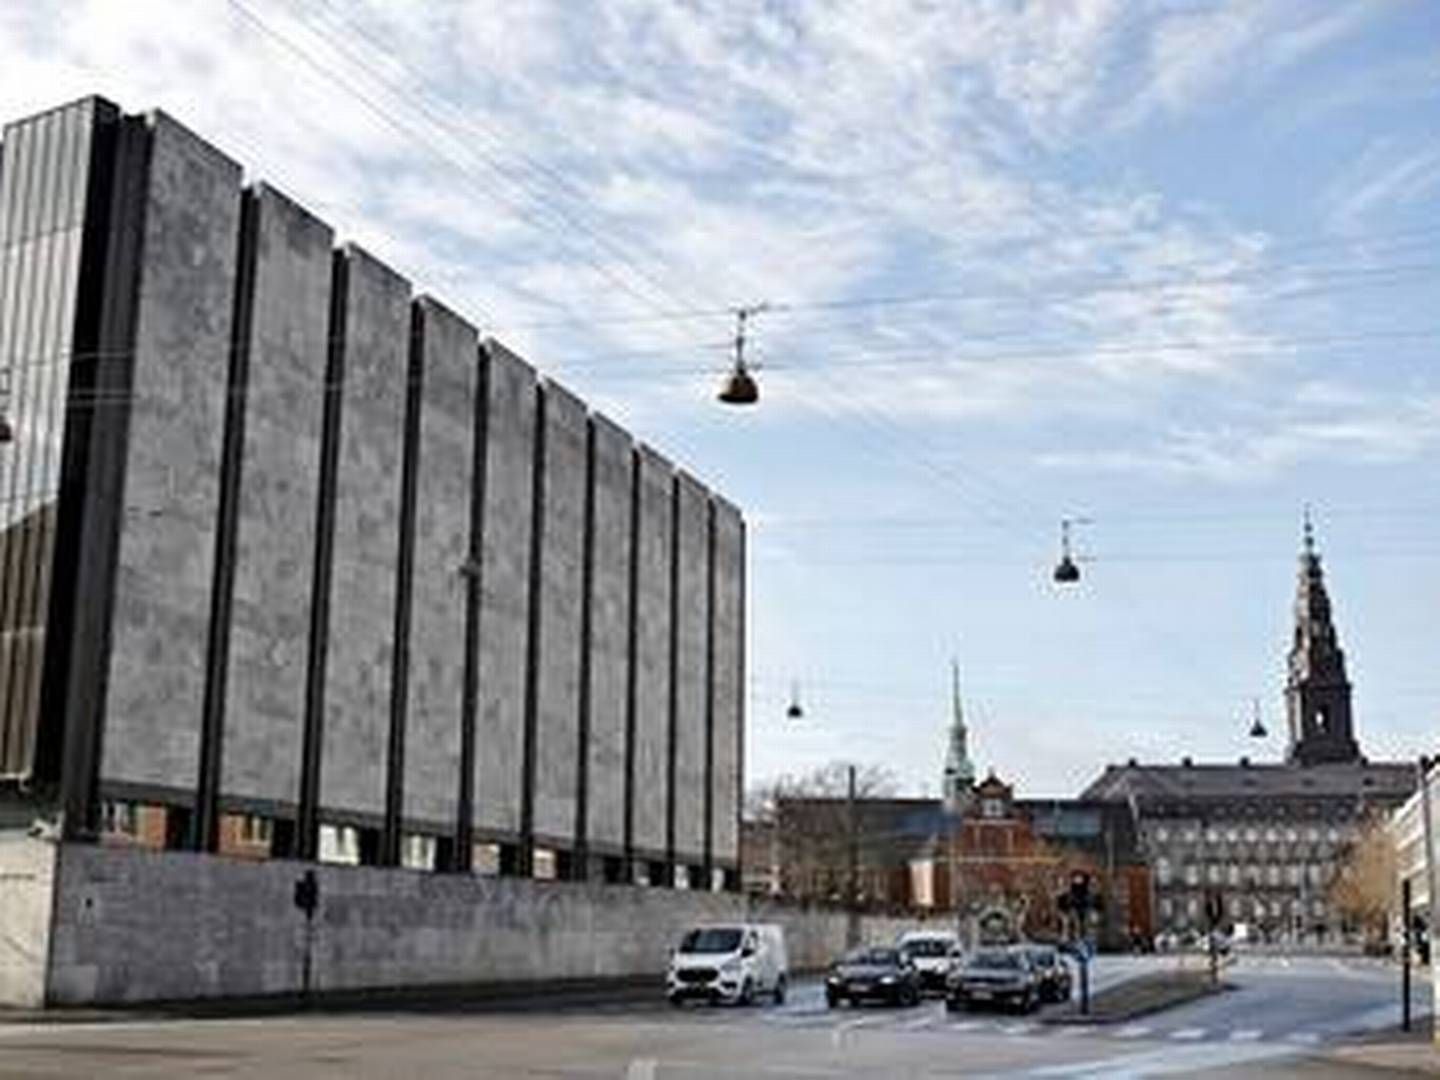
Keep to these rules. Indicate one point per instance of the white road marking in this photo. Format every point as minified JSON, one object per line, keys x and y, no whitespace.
{"x":1132,"y":1031}
{"x":641,"y":1069}
{"x":1245,"y":1034}
{"x":1309,"y":1038}
{"x":970,"y":1025}
{"x":922,"y":1022}
{"x":1188,"y":1034}
{"x":1018,"y":1029}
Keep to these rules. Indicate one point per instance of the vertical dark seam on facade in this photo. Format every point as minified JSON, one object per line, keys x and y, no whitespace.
{"x":632,"y":641}
{"x":308,"y":813}
{"x":709,"y":842}
{"x":102,"y":462}
{"x":672,"y":694}
{"x":474,"y":581}
{"x":205,"y":824}
{"x":587,"y":582}
{"x":404,"y":584}
{"x":532,"y":636}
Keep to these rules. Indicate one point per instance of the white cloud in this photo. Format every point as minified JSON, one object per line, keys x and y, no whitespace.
{"x":1387,"y":176}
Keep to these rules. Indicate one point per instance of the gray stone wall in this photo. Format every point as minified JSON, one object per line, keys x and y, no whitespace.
{"x":505,"y":590}
{"x":244,"y":508}
{"x":449,"y":358}
{"x":562,"y":579}
{"x":161,"y":616}
{"x":27,"y":880}
{"x":279,"y":468}
{"x":692,"y":522}
{"x":609,"y":637}
{"x":133,"y":925}
{"x":649,"y":791}
{"x":367,"y":532}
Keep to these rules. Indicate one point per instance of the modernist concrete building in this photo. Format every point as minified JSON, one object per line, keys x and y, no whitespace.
{"x":296,"y":557}
{"x":1267,"y":837}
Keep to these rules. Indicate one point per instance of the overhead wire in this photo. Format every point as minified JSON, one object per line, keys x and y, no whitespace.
{"x":409,"y":132}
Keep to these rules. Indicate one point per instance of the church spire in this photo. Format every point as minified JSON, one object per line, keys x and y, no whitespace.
{"x":1317,"y":692}
{"x":959,"y":769}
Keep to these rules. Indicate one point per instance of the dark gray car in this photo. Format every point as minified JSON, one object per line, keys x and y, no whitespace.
{"x":1051,"y":971}
{"x":994,"y":976}
{"x":873,"y":974}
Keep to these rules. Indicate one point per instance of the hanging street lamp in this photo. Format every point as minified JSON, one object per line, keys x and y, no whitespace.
{"x":740,"y":387}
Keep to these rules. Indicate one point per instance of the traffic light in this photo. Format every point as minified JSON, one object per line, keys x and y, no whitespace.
{"x":1080,"y":893}
{"x":307,"y":893}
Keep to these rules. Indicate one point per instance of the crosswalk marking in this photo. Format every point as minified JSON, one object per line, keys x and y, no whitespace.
{"x":1132,"y":1031}
{"x":1245,"y":1035}
{"x":1306,"y":1037}
{"x":1188,"y":1034}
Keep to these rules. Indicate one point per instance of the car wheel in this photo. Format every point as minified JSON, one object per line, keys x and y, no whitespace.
{"x":952,"y":1005}
{"x":832,"y":1001}
{"x":1027,"y":1002}
{"x":676,"y":1001}
{"x":780,"y":990}
{"x":909,"y":997}
{"x":747,"y":993}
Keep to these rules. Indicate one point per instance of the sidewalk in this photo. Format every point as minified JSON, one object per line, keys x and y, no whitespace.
{"x":1415,"y":1052}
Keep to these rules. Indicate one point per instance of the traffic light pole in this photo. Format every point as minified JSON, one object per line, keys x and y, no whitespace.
{"x":1405,"y":962}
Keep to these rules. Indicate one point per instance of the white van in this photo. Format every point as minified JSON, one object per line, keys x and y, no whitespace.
{"x":733,"y":962}
{"x":933,"y":952}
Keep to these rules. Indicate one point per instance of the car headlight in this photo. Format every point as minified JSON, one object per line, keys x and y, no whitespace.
{"x":887,"y":980}
{"x":730,"y":967}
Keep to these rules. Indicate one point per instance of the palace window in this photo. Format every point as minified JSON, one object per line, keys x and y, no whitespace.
{"x":1163,"y":871}
{"x":992,"y":808}
{"x":1192,"y":874}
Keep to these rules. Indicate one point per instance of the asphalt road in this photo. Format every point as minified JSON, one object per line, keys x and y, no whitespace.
{"x":1278,"y":1021}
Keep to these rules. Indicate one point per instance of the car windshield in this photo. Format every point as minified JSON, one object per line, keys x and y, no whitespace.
{"x":873,"y":957}
{"x":995,"y":958}
{"x":712,"y":940}
{"x":1043,"y":957}
{"x":926,"y":947}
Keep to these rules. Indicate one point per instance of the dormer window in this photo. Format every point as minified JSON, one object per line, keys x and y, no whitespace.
{"x":992,"y":808}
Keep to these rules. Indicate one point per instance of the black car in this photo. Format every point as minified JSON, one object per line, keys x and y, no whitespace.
{"x":994,"y":976}
{"x":1051,"y":971}
{"x":873,"y":974}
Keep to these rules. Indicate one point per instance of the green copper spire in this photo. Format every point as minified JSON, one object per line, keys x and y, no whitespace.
{"x":959,"y":769}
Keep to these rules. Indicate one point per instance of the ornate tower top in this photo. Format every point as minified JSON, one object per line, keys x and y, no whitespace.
{"x":1317,"y":692}
{"x":959,"y":777}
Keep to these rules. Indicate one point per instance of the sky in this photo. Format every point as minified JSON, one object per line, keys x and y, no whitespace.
{"x":1166,"y":268}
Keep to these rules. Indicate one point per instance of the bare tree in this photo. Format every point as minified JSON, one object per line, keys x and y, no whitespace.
{"x":1364,"y":889}
{"x":806,"y":820}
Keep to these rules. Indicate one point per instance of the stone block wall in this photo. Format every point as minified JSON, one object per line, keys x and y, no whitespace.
{"x":133,"y":925}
